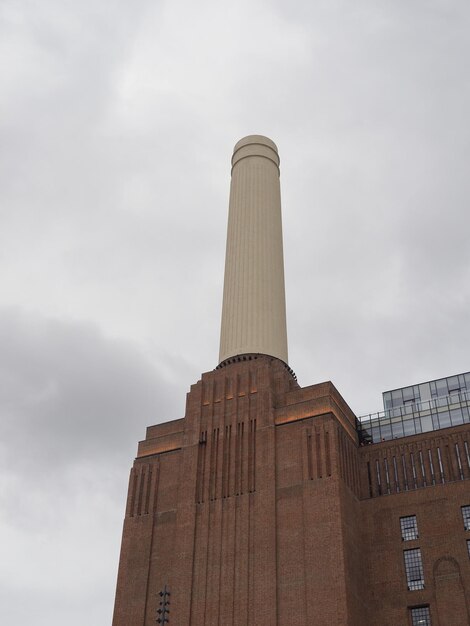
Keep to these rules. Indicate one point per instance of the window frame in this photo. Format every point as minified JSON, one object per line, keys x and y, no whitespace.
{"x":411,"y":529}
{"x":465,"y":510}
{"x":413,"y":561}
{"x":427,"y":615}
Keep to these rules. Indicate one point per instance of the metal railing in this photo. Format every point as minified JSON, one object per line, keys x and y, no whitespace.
{"x":415,"y":418}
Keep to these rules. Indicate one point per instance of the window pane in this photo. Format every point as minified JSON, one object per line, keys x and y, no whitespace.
{"x":375,"y":435}
{"x":426,"y":423}
{"x":397,"y":398}
{"x":420,"y":616}
{"x":444,"y":419}
{"x":387,"y":397}
{"x":386,"y":431}
{"x":411,"y":426}
{"x":466,"y":516}
{"x":397,"y":429}
{"x":409,"y":528}
{"x":425,"y":392}
{"x":441,"y":386}
{"x":456,"y":417}
{"x":414,"y":569}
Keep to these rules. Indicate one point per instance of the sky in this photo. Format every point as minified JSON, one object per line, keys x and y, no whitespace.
{"x":117,"y":125}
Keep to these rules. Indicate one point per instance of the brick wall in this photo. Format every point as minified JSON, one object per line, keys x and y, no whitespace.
{"x":260,"y":508}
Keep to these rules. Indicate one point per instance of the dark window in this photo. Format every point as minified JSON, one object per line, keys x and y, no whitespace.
{"x":468,"y":547}
{"x":466,"y":516}
{"x":420,"y":616}
{"x":414,"y":569}
{"x":409,"y":528}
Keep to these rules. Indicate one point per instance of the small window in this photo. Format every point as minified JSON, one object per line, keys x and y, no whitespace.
{"x":468,"y":547}
{"x":409,"y":528}
{"x":466,"y":516}
{"x":420,"y":616}
{"x":414,"y":569}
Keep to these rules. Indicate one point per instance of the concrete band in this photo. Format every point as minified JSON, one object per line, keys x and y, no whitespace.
{"x":256,"y":148}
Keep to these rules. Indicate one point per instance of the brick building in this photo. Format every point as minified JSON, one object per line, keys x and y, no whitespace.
{"x":269,"y":503}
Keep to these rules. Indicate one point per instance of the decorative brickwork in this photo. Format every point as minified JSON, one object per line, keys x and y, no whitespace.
{"x":419,"y":461}
{"x":260,"y":507}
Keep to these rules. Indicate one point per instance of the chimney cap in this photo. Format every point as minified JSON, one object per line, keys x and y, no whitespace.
{"x":253,"y":146}
{"x":255,"y":139}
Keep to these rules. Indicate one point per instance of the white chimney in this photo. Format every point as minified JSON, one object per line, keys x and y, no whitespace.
{"x":254,"y":307}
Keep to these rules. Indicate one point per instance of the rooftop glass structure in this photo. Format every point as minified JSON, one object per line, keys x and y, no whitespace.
{"x":419,"y":408}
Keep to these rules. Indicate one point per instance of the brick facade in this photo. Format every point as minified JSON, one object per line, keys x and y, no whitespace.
{"x":260,"y":507}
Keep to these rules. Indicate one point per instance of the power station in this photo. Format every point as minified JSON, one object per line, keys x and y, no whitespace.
{"x":273,"y":504}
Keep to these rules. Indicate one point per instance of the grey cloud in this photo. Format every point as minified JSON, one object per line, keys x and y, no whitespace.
{"x":69,"y":393}
{"x":74,"y":403}
{"x":117,"y":127}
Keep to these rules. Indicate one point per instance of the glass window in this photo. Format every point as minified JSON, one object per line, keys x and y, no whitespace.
{"x":468,"y":547}
{"x":397,"y":429}
{"x":442,"y":401}
{"x":425,"y":392}
{"x":414,"y":569}
{"x":387,"y":398}
{"x":466,"y":411}
{"x":466,"y":516}
{"x":454,"y":397}
{"x":444,"y":419}
{"x":375,"y":435}
{"x":441,"y":386}
{"x":385,"y":431}
{"x":411,"y":426}
{"x":426,"y":423}
{"x":456,"y":417}
{"x":435,"y":421}
{"x":397,"y":397}
{"x":420,"y":616}
{"x":409,"y":528}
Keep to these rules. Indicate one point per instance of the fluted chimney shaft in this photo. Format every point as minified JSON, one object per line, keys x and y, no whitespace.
{"x":254,"y":309}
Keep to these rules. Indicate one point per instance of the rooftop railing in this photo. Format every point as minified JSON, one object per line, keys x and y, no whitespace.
{"x":414,"y":418}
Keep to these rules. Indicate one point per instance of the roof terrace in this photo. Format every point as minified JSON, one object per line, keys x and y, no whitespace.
{"x":415,"y":418}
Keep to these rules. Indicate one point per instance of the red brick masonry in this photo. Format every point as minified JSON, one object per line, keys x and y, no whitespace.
{"x":260,"y":508}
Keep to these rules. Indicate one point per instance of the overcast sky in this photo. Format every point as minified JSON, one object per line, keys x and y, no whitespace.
{"x":117,"y":127}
